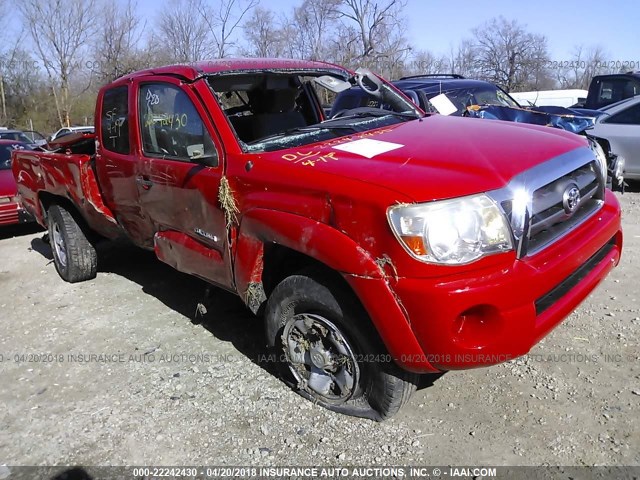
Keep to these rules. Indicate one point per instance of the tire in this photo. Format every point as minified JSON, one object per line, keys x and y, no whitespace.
{"x":74,"y":256}
{"x":329,"y":353}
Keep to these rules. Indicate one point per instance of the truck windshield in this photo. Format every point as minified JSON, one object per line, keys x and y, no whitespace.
{"x":478,"y":95}
{"x":274,"y":111}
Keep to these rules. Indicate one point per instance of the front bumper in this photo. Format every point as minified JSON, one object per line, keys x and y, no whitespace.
{"x":492,"y":316}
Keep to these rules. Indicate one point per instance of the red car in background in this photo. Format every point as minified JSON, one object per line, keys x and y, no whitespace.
{"x":11,"y":210}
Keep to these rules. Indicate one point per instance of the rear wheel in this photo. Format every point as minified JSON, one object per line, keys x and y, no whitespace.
{"x":329,"y":353}
{"x":74,"y":256}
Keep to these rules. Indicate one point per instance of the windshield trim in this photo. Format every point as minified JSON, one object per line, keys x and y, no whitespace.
{"x":412,"y":111}
{"x":343,"y":74}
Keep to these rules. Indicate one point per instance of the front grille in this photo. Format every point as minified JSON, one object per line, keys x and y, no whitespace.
{"x":549,"y":219}
{"x":558,"y":196}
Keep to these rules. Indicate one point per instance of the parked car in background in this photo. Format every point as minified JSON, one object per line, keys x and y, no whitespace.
{"x":453,"y":94}
{"x":607,"y":89}
{"x":36,"y":137}
{"x":11,"y":210}
{"x":30,"y":137}
{"x":619,"y":127}
{"x":67,"y":130}
{"x":559,"y":98}
{"x":445,"y":94}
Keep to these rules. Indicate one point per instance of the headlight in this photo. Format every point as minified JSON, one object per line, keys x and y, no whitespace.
{"x":618,"y":171}
{"x":600,"y":156}
{"x":451,"y":232}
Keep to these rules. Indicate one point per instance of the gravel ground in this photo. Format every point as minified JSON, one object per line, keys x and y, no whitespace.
{"x":171,"y":390}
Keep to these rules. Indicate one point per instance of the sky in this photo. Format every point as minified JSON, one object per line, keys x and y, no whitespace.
{"x":438,"y":26}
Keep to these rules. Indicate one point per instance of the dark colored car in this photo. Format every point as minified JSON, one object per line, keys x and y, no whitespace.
{"x":426,"y":90}
{"x":458,"y":96}
{"x":31,"y":137}
{"x":10,"y":209}
{"x":607,"y":89}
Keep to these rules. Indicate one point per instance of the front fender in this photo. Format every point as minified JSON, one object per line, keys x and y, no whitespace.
{"x":339,"y":252}
{"x":309,"y":237}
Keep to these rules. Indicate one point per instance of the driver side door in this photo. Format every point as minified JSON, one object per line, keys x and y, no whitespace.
{"x":181,"y":168}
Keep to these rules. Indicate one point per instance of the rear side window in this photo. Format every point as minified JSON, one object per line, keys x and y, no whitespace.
{"x":170,"y":126}
{"x":115,"y":122}
{"x":614,"y":90}
{"x":630,"y":116}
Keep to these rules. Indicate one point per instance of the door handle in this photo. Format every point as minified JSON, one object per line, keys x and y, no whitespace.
{"x":144,"y":182}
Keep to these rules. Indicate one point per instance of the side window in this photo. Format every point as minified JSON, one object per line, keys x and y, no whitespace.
{"x":612,"y":91}
{"x":170,"y":125}
{"x":630,"y":116}
{"x":114,"y":123}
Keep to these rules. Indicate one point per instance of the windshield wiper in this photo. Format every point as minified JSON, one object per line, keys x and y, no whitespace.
{"x":376,"y":114}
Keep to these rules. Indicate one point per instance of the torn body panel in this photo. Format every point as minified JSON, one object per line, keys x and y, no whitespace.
{"x":365,"y":275}
{"x":187,"y":255}
{"x":559,"y":117}
{"x":312,"y":238}
{"x":69,"y":176}
{"x":248,"y":268}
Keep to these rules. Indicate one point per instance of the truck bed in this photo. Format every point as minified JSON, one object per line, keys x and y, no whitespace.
{"x":67,"y":173}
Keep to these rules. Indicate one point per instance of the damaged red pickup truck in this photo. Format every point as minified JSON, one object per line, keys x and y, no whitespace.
{"x":377,"y":245}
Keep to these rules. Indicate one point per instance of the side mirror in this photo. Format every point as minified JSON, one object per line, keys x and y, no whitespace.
{"x":207,"y":160}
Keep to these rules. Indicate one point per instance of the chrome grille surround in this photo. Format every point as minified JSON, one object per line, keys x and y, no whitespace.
{"x":547,"y":201}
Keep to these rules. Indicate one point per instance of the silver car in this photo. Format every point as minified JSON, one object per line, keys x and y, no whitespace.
{"x":620,"y":126}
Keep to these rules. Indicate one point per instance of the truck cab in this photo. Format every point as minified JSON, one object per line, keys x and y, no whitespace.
{"x":607,"y":89}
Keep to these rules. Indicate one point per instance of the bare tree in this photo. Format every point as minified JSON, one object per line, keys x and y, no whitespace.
{"x":508,"y":55}
{"x":373,"y":20}
{"x":264,"y":37}
{"x":60,"y":31}
{"x":19,"y":80}
{"x":314,"y":21}
{"x":585,"y":63}
{"x":114,"y":48}
{"x":223,"y":20}
{"x":462,"y":60}
{"x":425,"y":62}
{"x":184,"y":35}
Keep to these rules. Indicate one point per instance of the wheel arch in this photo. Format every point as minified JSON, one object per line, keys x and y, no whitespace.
{"x":273,"y":244}
{"x":47,"y":199}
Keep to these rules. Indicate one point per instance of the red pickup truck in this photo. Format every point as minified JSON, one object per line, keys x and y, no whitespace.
{"x":377,"y":245}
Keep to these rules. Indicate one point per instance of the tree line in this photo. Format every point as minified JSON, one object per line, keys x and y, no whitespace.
{"x":52,"y":68}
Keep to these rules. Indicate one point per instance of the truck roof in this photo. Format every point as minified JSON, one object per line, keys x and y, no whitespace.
{"x":191,"y":71}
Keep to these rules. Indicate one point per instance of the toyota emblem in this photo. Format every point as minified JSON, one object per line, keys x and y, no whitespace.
{"x":571,"y":199}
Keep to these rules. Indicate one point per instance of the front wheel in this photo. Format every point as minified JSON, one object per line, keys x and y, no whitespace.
{"x":74,"y":256}
{"x":329,"y":353}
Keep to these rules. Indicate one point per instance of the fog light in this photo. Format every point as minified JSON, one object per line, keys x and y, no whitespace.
{"x":618,"y":172}
{"x":477,"y":327}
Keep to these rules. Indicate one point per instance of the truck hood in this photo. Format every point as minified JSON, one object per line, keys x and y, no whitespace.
{"x":8,"y":186}
{"x":440,"y":157}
